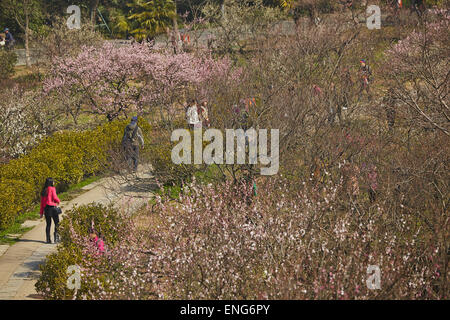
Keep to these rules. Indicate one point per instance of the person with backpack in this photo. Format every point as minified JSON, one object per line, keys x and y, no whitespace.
{"x":131,"y":141}
{"x":9,"y":39}
{"x":49,"y":208}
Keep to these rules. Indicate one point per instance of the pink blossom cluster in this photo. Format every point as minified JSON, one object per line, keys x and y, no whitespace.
{"x":115,"y":80}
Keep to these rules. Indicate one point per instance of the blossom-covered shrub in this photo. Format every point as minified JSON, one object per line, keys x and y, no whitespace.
{"x":292,"y":240}
{"x":420,"y":85}
{"x":107,"y":222}
{"x":130,"y":78}
{"x":20,"y":122}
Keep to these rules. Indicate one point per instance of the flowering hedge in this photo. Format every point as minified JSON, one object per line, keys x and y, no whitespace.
{"x":65,"y":156}
{"x":107,"y":221}
{"x":290,"y":241}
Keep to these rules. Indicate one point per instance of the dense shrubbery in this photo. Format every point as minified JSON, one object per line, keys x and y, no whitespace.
{"x":108,"y":222}
{"x":359,"y":184}
{"x":165,"y":170}
{"x":8,"y":60}
{"x":65,"y":156}
{"x":15,"y":195}
{"x":291,"y":241}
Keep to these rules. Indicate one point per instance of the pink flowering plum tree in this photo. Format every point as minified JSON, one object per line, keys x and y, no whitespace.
{"x":113,"y":81}
{"x":292,"y":241}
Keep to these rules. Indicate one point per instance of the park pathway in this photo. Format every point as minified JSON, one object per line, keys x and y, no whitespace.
{"x":19,"y":263}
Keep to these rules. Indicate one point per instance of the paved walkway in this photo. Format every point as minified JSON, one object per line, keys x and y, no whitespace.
{"x":19,"y":263}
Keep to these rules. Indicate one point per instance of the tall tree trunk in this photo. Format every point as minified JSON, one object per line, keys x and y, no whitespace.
{"x":94,"y":6}
{"x":175,"y":29}
{"x":27,"y":34}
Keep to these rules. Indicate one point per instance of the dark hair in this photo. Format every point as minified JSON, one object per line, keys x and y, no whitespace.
{"x":49,"y":182}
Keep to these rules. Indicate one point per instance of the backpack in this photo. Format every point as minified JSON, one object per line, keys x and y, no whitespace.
{"x":130,"y":135}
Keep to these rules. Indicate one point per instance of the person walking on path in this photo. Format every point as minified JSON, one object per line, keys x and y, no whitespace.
{"x":131,"y":141}
{"x":49,"y":203}
{"x":9,"y":39}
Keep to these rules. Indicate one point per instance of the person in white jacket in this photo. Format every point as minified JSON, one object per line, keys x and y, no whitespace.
{"x":192,"y":115}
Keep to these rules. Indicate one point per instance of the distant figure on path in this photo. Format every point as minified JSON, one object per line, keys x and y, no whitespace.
{"x":192,"y":115}
{"x":49,"y":203}
{"x":203,"y":112}
{"x":9,"y":39}
{"x":131,"y":141}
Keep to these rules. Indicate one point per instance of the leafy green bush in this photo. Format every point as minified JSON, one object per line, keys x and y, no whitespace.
{"x":8,"y":60}
{"x":26,"y":169}
{"x":15,"y":195}
{"x":106,"y":221}
{"x":68,"y":157}
{"x":160,"y":153}
{"x":53,"y":281}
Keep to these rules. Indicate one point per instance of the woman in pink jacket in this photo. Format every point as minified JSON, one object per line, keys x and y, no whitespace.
{"x":49,"y":203}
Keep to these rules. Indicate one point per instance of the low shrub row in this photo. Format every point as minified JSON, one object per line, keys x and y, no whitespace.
{"x":220,"y":241}
{"x":108,"y":223}
{"x":65,"y":156}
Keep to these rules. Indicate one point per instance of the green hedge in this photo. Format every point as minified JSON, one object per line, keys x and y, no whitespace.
{"x":65,"y":156}
{"x":53,"y":282}
{"x":14,"y":196}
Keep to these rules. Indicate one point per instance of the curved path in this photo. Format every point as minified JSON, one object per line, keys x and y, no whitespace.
{"x":19,"y":263}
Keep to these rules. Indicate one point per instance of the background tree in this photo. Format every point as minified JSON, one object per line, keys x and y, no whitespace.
{"x":58,"y":41}
{"x":239,"y":20}
{"x":28,"y":15}
{"x":144,"y":19}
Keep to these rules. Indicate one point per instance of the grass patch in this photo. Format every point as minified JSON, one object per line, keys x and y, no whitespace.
{"x":173,"y":191}
{"x":16,"y":227}
{"x":75,"y":190}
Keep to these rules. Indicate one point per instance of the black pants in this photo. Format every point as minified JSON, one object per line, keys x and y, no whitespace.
{"x":50,"y":213}
{"x":132,"y":156}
